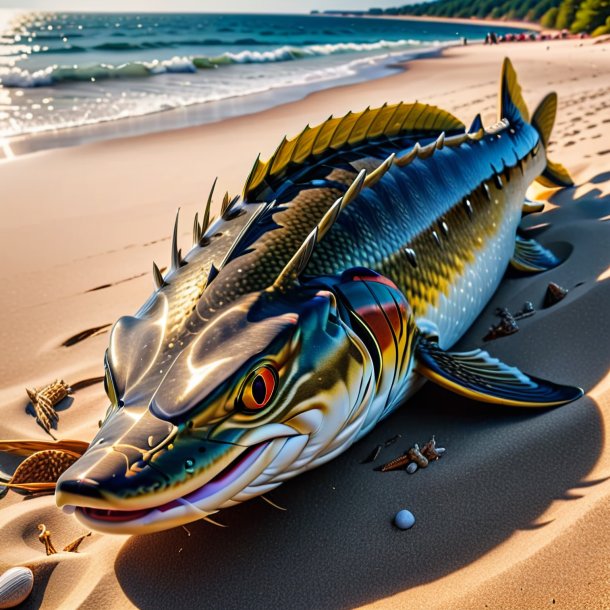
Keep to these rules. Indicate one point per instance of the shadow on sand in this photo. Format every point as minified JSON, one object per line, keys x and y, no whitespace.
{"x":336,"y":546}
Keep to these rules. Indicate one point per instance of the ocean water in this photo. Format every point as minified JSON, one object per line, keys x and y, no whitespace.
{"x":66,"y":70}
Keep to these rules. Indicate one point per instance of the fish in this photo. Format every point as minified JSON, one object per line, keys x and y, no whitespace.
{"x":318,"y":302}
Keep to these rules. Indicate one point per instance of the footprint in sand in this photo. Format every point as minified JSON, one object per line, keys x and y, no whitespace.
{"x":85,"y":334}
{"x":127,"y":279}
{"x":85,"y":383}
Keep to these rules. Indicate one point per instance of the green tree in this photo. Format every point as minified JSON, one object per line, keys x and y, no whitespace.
{"x":591,"y":15}
{"x":602,"y":29}
{"x":565,"y":16}
{"x":549,"y":18}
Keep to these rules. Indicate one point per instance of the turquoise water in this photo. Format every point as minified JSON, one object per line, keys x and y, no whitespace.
{"x":69,"y":70}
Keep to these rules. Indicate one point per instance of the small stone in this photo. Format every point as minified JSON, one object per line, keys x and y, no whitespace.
{"x":554,"y":294}
{"x":404,"y":519}
{"x":412,"y":467}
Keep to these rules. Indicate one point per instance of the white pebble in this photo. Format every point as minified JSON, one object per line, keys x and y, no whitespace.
{"x":412,"y":467}
{"x":404,"y":519}
{"x":15,"y":585}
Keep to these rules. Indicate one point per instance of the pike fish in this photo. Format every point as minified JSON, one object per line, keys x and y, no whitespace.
{"x":314,"y":306}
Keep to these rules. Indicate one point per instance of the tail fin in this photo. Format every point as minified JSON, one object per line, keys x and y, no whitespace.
{"x":554,"y":174}
{"x":512,"y":107}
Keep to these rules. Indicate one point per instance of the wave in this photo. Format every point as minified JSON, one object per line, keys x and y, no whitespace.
{"x":94,"y":114}
{"x":23,"y":78}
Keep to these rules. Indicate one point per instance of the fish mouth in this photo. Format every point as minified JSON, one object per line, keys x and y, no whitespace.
{"x":181,"y":510}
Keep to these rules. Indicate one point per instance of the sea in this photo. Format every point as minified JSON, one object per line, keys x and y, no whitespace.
{"x":68,"y":78}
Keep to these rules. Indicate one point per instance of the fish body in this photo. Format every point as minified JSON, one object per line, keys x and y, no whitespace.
{"x":358,"y":254}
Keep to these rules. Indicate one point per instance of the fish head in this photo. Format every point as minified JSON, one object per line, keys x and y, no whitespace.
{"x":270,"y":386}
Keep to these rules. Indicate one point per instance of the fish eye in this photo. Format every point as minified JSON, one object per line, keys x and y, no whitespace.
{"x":258,"y":389}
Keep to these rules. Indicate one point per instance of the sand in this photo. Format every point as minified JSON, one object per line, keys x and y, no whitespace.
{"x":514,"y":516}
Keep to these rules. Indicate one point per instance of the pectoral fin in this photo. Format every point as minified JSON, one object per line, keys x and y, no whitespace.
{"x":531,"y":257}
{"x":479,"y":376}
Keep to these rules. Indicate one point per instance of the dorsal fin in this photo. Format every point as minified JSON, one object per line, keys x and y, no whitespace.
{"x":477,"y":123}
{"x":350,"y":131}
{"x":511,"y":106}
{"x":296,"y":265}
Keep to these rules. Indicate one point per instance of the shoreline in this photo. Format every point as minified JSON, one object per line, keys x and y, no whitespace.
{"x":516,"y":513}
{"x":509,"y":23}
{"x":202,"y":113}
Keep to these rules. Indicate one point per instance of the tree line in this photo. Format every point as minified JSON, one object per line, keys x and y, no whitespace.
{"x":577,"y":16}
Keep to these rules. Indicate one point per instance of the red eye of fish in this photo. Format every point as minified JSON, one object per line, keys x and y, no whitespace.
{"x":258,"y":389}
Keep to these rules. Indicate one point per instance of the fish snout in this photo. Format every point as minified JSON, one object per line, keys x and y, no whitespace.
{"x":118,"y":471}
{"x":110,"y":478}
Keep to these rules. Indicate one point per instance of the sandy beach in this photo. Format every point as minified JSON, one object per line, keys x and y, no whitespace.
{"x":514,"y":516}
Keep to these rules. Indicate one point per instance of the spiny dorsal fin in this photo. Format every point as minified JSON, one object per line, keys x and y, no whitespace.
{"x":296,"y":265}
{"x":291,"y":272}
{"x":511,"y":104}
{"x":228,"y":209}
{"x":158,"y":277}
{"x":375,"y":176}
{"x":205,"y":223}
{"x":196,"y":229}
{"x":211,"y":275}
{"x":349,"y":131}
{"x":354,"y":189}
{"x":477,"y":123}
{"x":543,"y":118}
{"x":224,"y":206}
{"x":175,"y":260}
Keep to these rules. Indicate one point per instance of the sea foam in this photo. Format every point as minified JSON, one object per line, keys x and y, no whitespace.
{"x":56,"y":74}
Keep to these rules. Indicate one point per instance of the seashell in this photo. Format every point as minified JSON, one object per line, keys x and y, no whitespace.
{"x":412,"y":467}
{"x":416,"y":456}
{"x":73,"y":546}
{"x":40,"y":471}
{"x":15,"y":586}
{"x":396,"y":463}
{"x":45,"y":538}
{"x":404,"y":519}
{"x":431,"y":451}
{"x":44,"y":401}
{"x":554,"y":294}
{"x":507,"y":326}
